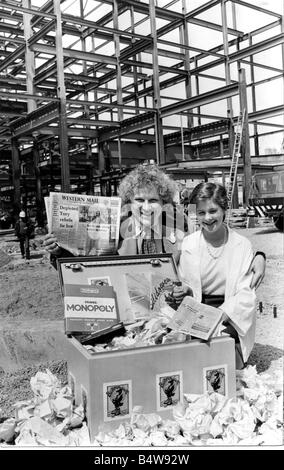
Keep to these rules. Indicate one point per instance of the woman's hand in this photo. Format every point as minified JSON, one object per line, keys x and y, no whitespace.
{"x":257,"y":267}
{"x":51,"y":245}
{"x":180,"y":291}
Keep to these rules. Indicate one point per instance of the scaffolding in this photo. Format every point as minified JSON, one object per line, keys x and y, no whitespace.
{"x":89,"y":88}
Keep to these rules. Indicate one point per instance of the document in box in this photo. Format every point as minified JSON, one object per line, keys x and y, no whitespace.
{"x":89,"y":308}
{"x":197,"y":319}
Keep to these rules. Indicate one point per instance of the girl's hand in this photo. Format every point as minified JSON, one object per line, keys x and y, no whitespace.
{"x":180,"y":291}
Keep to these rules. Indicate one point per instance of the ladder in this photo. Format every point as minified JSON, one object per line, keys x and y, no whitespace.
{"x":235,"y":160}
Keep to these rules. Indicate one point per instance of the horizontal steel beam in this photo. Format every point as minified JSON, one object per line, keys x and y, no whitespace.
{"x":135,"y":124}
{"x":255,"y":7}
{"x":35,"y":120}
{"x":92,"y":122}
{"x":200,"y":100}
{"x":256,"y":48}
{"x":12,"y":107}
{"x":17,"y":54}
{"x":266,"y":113}
{"x":199,"y":132}
{"x":75,"y":54}
{"x":54,"y":130}
{"x":225,"y":163}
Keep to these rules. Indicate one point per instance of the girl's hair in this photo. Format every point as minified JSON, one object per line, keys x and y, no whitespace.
{"x":147,"y":177}
{"x":214,"y":191}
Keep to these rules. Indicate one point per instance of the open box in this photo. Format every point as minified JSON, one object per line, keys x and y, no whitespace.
{"x":111,"y":383}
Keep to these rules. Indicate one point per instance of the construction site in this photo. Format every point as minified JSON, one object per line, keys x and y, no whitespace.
{"x":90,"y":89}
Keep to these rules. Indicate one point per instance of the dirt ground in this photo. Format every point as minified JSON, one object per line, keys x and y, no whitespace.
{"x":31,"y":312}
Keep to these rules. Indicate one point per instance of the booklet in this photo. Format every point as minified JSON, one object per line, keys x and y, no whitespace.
{"x":150,"y":294}
{"x":197,"y":319}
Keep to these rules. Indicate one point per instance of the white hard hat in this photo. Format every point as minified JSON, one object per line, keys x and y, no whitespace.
{"x":22,"y":214}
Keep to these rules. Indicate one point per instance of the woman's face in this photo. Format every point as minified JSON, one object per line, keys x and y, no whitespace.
{"x":210,"y":215}
{"x":146,"y":207}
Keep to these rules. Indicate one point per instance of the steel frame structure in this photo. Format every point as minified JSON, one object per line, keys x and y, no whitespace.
{"x":90,"y":86}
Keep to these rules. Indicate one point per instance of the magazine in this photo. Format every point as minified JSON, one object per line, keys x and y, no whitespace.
{"x":162,"y":299}
{"x":84,"y":225}
{"x":150,"y":294}
{"x":197,"y":319}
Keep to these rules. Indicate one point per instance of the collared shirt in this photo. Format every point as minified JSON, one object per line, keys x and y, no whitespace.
{"x":140,"y":235}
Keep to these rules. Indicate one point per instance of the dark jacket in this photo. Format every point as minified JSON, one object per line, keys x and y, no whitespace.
{"x":24,"y":228}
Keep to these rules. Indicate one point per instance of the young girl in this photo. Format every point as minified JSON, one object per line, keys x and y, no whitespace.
{"x":214,"y":262}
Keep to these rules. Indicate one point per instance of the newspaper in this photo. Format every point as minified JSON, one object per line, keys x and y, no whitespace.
{"x":47,"y":209}
{"x":197,"y":319}
{"x":84,"y":225}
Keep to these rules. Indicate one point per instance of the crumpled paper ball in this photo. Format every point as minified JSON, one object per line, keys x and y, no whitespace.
{"x":171,"y":428}
{"x":45,"y":385}
{"x":7,"y":430}
{"x":41,"y":431}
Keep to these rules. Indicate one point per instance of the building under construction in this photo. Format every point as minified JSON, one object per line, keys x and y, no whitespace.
{"x":90,"y":88}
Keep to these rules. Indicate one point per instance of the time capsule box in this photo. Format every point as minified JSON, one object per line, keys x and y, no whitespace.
{"x":100,"y":292}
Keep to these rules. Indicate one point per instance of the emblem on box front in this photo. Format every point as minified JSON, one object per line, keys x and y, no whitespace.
{"x":117,"y":400}
{"x":215,"y":379}
{"x":169,"y":389}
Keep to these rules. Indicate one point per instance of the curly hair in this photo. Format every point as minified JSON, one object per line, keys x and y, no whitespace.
{"x":147,"y":177}
{"x":214,"y":191}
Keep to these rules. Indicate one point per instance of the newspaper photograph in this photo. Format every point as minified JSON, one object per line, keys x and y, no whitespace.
{"x":85,"y":225}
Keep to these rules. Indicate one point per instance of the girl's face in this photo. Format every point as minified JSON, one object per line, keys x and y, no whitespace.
{"x":146,"y":207}
{"x":210,"y":215}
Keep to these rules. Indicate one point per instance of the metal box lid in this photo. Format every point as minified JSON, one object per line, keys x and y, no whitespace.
{"x":99,"y":292}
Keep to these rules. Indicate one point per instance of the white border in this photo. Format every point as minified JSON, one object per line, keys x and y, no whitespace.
{"x":168,"y":374}
{"x":218,"y":366}
{"x":113,"y":383}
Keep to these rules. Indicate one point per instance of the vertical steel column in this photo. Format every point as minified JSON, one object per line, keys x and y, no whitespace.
{"x":185,"y":40}
{"x":86,"y":112}
{"x":61,"y":93}
{"x":235,"y":201}
{"x":16,"y":173}
{"x":245,"y":140}
{"x":118,"y":72}
{"x":29,"y":57}
{"x":101,"y":158}
{"x":197,"y":92}
{"x":39,"y":201}
{"x":83,"y":45}
{"x":253,"y":97}
{"x":135,"y":72}
{"x":160,"y":151}
{"x":282,"y":48}
{"x":226,"y":53}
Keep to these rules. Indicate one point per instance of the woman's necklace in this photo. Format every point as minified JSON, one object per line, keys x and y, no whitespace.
{"x":216,"y":252}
